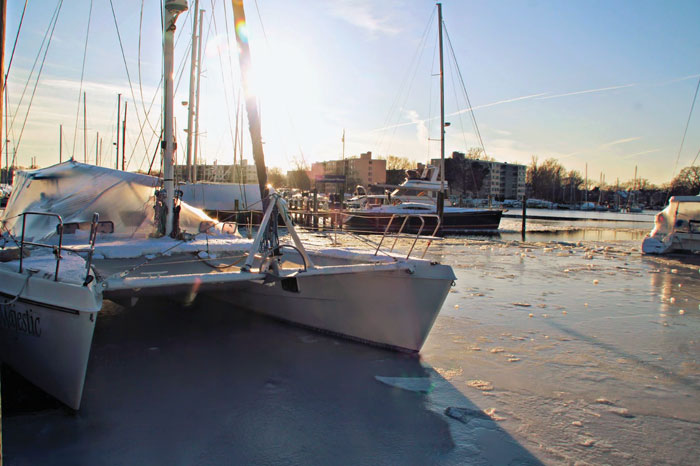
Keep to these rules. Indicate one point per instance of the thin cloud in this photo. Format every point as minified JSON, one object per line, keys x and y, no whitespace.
{"x":620,"y":141}
{"x":464,"y":110}
{"x":492,"y":104}
{"x":587,"y":91}
{"x":363,"y":15}
{"x":677,"y":80}
{"x":650,"y":151}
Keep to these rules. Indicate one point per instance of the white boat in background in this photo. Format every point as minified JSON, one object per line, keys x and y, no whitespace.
{"x":75,"y":234}
{"x":417,"y":196}
{"x":676,"y":228}
{"x":224,"y":198}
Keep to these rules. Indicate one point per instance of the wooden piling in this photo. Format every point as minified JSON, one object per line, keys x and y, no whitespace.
{"x":523,"y":227}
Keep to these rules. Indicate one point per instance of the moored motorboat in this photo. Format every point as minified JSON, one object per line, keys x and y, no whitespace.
{"x":415,"y":200}
{"x":676,"y":228}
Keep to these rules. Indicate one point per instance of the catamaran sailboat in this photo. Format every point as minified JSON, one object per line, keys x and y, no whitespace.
{"x":75,"y":234}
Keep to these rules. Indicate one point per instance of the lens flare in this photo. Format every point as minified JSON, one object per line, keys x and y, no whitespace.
{"x":242,"y":30}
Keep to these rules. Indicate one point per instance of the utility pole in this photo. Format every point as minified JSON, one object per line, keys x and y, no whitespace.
{"x":190,"y":107}
{"x":97,"y":147}
{"x":124,"y":138}
{"x":119,"y":104}
{"x":60,"y":144}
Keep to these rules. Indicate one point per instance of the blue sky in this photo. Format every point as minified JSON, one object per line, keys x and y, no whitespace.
{"x":607,"y":84}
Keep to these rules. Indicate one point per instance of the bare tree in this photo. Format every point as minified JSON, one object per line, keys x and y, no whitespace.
{"x":399,"y":163}
{"x":687,"y":182}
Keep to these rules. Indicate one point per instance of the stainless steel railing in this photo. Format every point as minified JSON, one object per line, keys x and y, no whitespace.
{"x":415,"y":238}
{"x":57,"y":250}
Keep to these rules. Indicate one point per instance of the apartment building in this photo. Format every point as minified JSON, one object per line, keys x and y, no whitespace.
{"x":363,"y":170}
{"x":499,"y":180}
{"x":244,"y":173}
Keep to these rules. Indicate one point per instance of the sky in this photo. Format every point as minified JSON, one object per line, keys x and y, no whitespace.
{"x":602,"y":85}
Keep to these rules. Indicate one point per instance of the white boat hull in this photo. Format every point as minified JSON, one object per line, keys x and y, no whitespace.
{"x":393,"y":308}
{"x":43,"y":339}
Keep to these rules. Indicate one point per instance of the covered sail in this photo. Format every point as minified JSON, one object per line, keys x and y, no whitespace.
{"x":75,"y":191}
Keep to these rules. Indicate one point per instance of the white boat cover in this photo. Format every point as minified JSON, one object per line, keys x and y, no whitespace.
{"x":222,"y":196}
{"x":681,"y":216}
{"x":75,"y":191}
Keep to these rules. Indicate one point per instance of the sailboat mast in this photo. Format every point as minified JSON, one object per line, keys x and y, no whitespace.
{"x":3,"y":16}
{"x":119,"y":116}
{"x":441,"y":195}
{"x":196,"y":102}
{"x":250,"y":103}
{"x":190,"y":106}
{"x":172,"y":9}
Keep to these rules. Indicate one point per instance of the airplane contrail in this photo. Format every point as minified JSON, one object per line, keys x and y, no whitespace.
{"x":587,"y":91}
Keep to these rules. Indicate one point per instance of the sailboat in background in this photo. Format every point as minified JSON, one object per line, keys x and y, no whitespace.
{"x":75,"y":234}
{"x":421,"y":202}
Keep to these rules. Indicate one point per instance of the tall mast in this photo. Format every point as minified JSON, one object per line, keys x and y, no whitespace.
{"x":119,"y":115}
{"x":190,"y":107}
{"x":441,"y":194}
{"x":250,"y":103}
{"x":172,"y":9}
{"x":3,"y":15}
{"x":84,"y":127}
{"x":196,"y":103}
{"x":126,"y":107}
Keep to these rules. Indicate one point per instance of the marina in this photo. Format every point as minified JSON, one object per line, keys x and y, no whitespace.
{"x":547,"y":351}
{"x":454,"y":299}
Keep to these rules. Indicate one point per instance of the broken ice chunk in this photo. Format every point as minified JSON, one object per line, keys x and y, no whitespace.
{"x":412,"y":384}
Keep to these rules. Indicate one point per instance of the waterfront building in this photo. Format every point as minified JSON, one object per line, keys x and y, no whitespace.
{"x":484,"y":178}
{"x":362,"y":170}
{"x":243,"y":172}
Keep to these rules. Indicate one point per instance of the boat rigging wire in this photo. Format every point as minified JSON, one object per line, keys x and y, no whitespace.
{"x":14,"y":46}
{"x":230,"y":64}
{"x":143,"y":101}
{"x":38,"y":77}
{"x":407,"y":83}
{"x":221,"y":68}
{"x":464,"y":134}
{"x":128,"y":75}
{"x":36,"y":60}
{"x":150,"y":109}
{"x":285,"y":102}
{"x":464,"y":89}
{"x":82,"y":75}
{"x":686,"y":130}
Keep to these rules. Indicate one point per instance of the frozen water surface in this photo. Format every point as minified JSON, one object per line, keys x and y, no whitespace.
{"x":556,"y":350}
{"x":591,"y":349}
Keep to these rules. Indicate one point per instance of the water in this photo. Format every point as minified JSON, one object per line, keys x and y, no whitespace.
{"x":591,"y":350}
{"x":567,"y":348}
